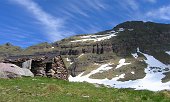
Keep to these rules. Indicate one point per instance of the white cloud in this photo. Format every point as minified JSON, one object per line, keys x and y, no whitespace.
{"x":160,"y":13}
{"x":53,"y":26}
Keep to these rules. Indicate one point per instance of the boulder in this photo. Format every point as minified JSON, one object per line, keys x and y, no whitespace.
{"x":12,"y":71}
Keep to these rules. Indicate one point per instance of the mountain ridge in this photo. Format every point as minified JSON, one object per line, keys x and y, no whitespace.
{"x":104,"y":55}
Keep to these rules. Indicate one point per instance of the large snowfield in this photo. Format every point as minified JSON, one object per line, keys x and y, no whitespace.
{"x":152,"y":81}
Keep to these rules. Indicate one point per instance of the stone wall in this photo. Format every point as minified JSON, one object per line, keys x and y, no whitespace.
{"x":58,"y":70}
{"x":44,"y":66}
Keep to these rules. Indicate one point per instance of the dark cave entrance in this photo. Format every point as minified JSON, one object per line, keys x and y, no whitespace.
{"x":35,"y":65}
{"x":48,"y":66}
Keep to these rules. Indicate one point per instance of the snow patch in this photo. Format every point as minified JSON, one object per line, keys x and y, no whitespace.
{"x":130,"y":29}
{"x":122,"y":63}
{"x":81,"y":55}
{"x":68,"y":60}
{"x":121,"y":29}
{"x":135,"y":55}
{"x":133,"y":72}
{"x":112,"y":31}
{"x":81,"y":78}
{"x":152,"y":80}
{"x":96,"y":37}
{"x":101,"y":69}
{"x":96,"y":64}
{"x":152,"y":62}
{"x":168,"y":52}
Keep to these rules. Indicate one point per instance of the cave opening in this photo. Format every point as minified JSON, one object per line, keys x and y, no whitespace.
{"x":48,"y":66}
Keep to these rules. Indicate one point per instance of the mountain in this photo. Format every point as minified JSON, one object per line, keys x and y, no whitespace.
{"x":9,"y":49}
{"x":148,"y":36}
{"x":134,"y":54}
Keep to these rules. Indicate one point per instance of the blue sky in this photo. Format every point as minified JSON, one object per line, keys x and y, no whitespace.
{"x":28,"y":22}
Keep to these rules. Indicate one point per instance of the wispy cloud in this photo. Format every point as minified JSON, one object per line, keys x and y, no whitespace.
{"x":83,"y":12}
{"x":132,"y":4}
{"x":131,"y":9}
{"x":53,"y":26}
{"x":96,"y":4}
{"x":128,"y":5}
{"x":151,"y":1}
{"x":160,"y":13}
{"x":83,"y":7}
{"x":76,"y":9}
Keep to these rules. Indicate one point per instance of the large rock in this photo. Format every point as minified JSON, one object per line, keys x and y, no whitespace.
{"x":12,"y":71}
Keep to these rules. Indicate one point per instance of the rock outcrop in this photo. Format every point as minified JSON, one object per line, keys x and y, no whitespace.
{"x":12,"y":71}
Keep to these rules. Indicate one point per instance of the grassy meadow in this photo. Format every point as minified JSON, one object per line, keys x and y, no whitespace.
{"x":40,"y":89}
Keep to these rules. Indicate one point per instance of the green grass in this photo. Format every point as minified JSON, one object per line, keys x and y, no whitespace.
{"x":52,"y":90}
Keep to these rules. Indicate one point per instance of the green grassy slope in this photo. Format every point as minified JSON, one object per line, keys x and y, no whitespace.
{"x":52,"y":90}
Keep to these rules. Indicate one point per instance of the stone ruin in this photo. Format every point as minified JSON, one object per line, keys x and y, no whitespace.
{"x":48,"y":64}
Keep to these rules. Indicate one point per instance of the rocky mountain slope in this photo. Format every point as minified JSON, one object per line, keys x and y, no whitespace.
{"x":133,"y":54}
